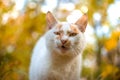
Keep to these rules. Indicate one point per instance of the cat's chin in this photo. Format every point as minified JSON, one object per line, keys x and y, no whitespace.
{"x":63,"y":49}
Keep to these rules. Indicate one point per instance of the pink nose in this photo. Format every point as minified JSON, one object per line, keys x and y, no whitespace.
{"x":63,"y":41}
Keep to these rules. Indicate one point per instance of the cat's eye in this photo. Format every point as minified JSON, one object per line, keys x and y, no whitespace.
{"x":72,"y":34}
{"x":57,"y":33}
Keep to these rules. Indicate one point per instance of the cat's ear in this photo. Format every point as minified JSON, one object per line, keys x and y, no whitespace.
{"x":82,"y":22}
{"x":51,"y":21}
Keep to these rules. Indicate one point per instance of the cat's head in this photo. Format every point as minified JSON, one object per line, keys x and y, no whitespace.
{"x":66,"y":38}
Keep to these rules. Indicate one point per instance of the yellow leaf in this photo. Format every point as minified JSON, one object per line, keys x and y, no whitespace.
{"x":112,"y":42}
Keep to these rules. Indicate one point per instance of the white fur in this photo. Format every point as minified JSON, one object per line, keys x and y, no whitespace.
{"x":50,"y":63}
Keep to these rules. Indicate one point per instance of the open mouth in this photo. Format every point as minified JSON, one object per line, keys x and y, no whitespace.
{"x":64,"y":47}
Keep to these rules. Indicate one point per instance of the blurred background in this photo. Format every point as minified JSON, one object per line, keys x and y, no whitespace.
{"x":22,"y":22}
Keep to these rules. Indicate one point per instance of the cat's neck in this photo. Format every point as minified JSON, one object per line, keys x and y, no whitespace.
{"x":63,"y":60}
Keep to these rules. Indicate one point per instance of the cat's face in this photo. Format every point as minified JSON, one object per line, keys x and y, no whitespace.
{"x":66,"y":37}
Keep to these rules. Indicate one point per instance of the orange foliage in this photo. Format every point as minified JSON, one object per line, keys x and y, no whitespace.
{"x":112,"y":42}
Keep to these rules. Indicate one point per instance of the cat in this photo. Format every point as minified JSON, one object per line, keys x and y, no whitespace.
{"x":58,"y":53}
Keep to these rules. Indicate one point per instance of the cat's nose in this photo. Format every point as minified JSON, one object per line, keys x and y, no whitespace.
{"x":63,"y":41}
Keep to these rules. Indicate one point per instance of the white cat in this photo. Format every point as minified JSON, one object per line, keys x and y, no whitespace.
{"x":58,"y":53}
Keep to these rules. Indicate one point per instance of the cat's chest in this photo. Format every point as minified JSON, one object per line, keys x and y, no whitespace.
{"x":65,"y":72}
